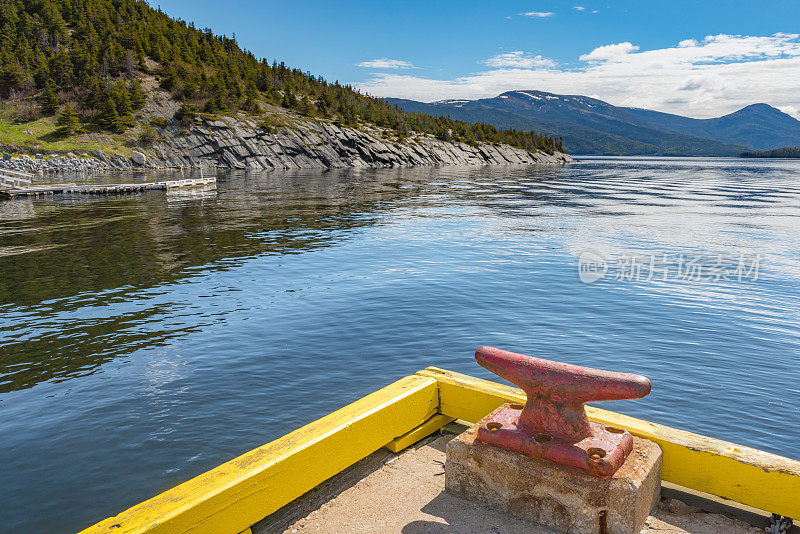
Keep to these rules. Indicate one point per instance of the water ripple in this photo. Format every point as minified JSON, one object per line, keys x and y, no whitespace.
{"x":148,"y":338}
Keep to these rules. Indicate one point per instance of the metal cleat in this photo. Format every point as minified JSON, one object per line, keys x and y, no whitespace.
{"x":552,"y":424}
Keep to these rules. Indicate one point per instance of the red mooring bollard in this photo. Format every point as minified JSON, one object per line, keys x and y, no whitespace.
{"x":553,"y":423}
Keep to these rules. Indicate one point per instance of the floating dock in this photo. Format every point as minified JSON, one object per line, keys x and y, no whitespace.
{"x":15,"y":184}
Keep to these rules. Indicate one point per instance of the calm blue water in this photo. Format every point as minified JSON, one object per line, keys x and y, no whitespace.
{"x":147,"y":338}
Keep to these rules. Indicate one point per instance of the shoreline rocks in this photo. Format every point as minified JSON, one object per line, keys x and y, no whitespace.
{"x":68,"y":163}
{"x":138,"y":158}
{"x":242,"y":144}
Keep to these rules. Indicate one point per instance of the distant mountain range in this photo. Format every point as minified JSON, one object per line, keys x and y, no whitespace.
{"x":591,"y":126}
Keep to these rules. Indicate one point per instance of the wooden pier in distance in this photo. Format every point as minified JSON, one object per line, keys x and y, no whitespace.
{"x":14,"y":184}
{"x":10,"y":179}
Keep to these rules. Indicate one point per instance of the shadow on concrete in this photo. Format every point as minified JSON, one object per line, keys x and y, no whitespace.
{"x":465,"y":517}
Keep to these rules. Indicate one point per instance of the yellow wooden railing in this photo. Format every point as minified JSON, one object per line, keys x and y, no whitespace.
{"x":744,"y":475}
{"x":237,"y":494}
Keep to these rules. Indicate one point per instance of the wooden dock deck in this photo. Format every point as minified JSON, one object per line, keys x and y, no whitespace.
{"x":19,"y":188}
{"x":10,"y":179}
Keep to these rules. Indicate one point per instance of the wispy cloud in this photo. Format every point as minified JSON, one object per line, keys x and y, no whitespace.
{"x":385,"y":63}
{"x":538,"y":14}
{"x":612,"y":52}
{"x":700,"y":78}
{"x":519,"y":59}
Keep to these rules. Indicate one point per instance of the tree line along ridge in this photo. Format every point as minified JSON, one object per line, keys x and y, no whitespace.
{"x":83,"y":60}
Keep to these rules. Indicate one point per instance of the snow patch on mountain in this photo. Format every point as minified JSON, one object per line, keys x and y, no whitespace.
{"x":530,"y":95}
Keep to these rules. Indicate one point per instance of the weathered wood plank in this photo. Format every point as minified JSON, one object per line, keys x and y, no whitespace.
{"x":235,"y":495}
{"x":422,"y":431}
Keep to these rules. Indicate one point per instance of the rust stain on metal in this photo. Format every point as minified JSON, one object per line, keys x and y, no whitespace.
{"x":553,"y":424}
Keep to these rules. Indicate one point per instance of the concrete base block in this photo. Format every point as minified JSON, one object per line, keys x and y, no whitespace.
{"x":561,"y":498}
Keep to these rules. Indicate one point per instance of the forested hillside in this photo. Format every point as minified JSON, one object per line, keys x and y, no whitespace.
{"x":83,"y":61}
{"x":787,"y":152}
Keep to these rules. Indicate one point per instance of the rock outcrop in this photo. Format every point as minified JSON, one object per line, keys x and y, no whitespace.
{"x":242,"y":144}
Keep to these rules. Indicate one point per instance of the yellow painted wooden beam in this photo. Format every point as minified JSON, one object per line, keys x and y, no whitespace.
{"x":235,"y":495}
{"x":422,"y":431}
{"x":748,"y":476}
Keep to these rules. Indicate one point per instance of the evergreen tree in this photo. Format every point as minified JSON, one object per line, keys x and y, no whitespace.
{"x":138,"y":96}
{"x":49,"y":100}
{"x":11,"y":77}
{"x":148,"y":135}
{"x":68,"y":122}
{"x":251,"y":98}
{"x":186,"y":114}
{"x":289,"y":100}
{"x":304,"y":107}
{"x":108,"y":118}
{"x":122,"y":103}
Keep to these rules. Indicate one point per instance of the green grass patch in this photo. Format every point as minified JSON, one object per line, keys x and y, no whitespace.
{"x":42,"y":135}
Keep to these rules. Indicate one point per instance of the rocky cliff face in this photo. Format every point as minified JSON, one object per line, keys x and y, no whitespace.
{"x":319,"y":144}
{"x":240,"y":143}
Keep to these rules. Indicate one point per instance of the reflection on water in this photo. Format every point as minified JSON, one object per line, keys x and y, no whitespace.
{"x":147,"y":338}
{"x":81,"y":253}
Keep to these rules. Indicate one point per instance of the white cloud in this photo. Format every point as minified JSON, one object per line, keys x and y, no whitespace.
{"x":609,"y":52}
{"x":538,"y":14}
{"x":579,"y":8}
{"x":519,"y":59}
{"x":715,"y":76}
{"x":385,"y":63}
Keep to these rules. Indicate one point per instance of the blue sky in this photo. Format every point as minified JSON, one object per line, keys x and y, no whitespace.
{"x":733,"y":52}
